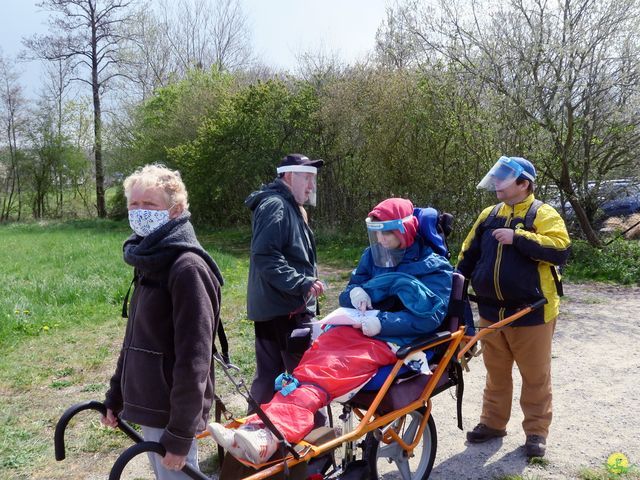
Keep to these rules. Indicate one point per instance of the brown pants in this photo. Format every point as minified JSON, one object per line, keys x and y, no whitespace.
{"x":530,"y":348}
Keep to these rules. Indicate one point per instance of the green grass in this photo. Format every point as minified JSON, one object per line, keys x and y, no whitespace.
{"x":633,"y":473}
{"x":60,"y":333}
{"x":618,"y":262}
{"x":60,"y":329}
{"x":538,"y":462}
{"x":59,"y":275}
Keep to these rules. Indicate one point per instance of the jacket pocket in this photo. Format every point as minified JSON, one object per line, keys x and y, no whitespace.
{"x":146,"y":385}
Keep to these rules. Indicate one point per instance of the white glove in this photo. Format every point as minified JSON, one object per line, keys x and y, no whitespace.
{"x":358,"y":296}
{"x":371,"y":326}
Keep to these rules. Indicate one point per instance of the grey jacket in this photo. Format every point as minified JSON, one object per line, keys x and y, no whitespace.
{"x":283,"y":255}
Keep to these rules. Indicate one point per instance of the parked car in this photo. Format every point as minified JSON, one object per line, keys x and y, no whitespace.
{"x":620,"y":207}
{"x":616,"y":198}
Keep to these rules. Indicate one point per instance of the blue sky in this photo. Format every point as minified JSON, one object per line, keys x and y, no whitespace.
{"x":281,"y":29}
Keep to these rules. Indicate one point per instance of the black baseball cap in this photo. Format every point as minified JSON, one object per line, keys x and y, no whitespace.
{"x":296,"y":162}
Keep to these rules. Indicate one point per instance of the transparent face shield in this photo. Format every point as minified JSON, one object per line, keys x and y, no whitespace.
{"x":302,"y":182}
{"x":502,"y":175}
{"x":385,"y":244}
{"x":304,"y":188}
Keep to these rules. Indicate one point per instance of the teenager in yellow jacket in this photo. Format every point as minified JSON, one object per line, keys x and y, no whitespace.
{"x":511,"y":256}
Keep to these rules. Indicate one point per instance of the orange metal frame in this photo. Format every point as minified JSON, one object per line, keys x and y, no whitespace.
{"x":368,"y":420}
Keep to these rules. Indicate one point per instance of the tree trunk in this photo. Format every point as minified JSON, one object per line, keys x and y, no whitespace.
{"x":585,"y":225}
{"x":97,"y":131}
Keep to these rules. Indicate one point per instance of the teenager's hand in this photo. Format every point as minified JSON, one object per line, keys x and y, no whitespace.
{"x":503,"y":235}
{"x":371,"y":326}
{"x":359,"y":298}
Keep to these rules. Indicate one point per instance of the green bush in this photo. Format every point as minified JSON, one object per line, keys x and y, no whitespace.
{"x":618,"y":262}
{"x":117,"y":205}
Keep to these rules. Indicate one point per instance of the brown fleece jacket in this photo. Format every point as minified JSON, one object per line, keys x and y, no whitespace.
{"x":164,"y":377}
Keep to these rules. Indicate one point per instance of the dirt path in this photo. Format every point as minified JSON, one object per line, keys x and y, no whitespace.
{"x":596,"y":373}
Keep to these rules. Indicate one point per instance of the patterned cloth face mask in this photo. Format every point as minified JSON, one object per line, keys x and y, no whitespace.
{"x":143,"y":222}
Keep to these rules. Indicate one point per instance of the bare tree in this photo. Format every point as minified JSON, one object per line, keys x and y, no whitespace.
{"x":319,"y":67}
{"x":178,"y":36}
{"x":90,"y":33}
{"x":394,"y":40}
{"x":56,"y":88}
{"x":152,"y":65}
{"x":52,"y":120}
{"x":206,"y":33}
{"x":12,"y":104}
{"x":570,"y":69}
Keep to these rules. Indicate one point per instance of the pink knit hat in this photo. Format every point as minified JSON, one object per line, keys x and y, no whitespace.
{"x":398,"y":209}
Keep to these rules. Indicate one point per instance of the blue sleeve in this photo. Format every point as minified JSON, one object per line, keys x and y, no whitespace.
{"x":406,"y":324}
{"x":403,"y":323}
{"x":359,"y":275}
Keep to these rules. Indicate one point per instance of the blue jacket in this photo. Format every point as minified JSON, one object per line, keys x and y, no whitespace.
{"x":412,"y":300}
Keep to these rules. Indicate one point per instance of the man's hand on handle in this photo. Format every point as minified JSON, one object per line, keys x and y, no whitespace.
{"x":109,"y":420}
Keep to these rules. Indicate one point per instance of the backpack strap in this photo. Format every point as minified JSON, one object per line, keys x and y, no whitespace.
{"x":125,"y":303}
{"x":494,"y":213}
{"x":224,"y":343}
{"x":529,"y":220}
{"x":530,"y":216}
{"x":557,"y":280}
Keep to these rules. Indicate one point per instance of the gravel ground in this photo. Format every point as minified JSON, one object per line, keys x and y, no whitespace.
{"x":596,"y":373}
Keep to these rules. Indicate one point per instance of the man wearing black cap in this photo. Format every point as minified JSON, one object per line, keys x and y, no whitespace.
{"x":283,"y":281}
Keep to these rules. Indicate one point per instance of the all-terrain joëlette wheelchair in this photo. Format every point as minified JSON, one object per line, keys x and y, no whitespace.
{"x":389,"y":432}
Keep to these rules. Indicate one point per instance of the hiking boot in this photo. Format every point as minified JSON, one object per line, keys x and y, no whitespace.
{"x":482,"y":433}
{"x":225,"y":438}
{"x":257,"y":445}
{"x":535,"y":446}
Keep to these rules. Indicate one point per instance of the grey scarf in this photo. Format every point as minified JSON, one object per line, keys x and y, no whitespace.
{"x":157,"y":251}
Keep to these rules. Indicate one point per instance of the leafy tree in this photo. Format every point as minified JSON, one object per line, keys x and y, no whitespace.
{"x":239,"y":145}
{"x":394,"y":132}
{"x":51,"y":162}
{"x":171,"y":117}
{"x":568,"y":71}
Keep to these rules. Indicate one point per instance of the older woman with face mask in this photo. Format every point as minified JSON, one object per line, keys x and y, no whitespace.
{"x":164,"y":379}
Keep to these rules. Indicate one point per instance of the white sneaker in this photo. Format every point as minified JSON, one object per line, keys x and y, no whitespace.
{"x":225,"y":438}
{"x":257,"y":445}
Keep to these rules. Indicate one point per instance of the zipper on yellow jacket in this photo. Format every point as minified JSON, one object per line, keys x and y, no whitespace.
{"x":496,"y":268}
